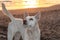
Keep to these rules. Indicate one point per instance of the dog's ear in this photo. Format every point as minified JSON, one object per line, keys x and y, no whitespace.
{"x":38,"y":15}
{"x":26,"y":14}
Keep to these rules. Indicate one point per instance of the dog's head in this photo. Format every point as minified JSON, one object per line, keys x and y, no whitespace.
{"x":31,"y":20}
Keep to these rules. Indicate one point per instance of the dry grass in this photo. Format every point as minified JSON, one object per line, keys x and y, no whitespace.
{"x":49,"y":23}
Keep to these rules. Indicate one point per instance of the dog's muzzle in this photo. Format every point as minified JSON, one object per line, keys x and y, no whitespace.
{"x":24,"y":22}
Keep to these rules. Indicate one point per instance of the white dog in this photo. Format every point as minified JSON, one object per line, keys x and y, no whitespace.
{"x":15,"y":26}
{"x":32,"y":31}
{"x":27,"y":28}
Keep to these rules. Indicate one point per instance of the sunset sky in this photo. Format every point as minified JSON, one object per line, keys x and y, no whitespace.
{"x":21,"y":4}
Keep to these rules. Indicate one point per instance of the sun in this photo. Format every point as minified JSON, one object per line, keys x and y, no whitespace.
{"x":30,"y":3}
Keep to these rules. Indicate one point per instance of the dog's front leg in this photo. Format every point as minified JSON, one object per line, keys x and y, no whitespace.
{"x":37,"y":34}
{"x":26,"y":37}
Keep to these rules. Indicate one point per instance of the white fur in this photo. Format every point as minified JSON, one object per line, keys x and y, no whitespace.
{"x":32,"y":22}
{"x":30,"y":31}
{"x":15,"y":26}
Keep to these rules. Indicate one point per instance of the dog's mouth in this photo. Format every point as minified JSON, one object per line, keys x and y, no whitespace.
{"x":24,"y":22}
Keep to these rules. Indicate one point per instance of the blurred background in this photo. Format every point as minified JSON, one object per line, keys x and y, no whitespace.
{"x":50,"y":16}
{"x":22,"y":4}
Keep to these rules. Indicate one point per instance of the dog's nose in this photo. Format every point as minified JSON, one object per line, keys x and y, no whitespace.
{"x":24,"y":22}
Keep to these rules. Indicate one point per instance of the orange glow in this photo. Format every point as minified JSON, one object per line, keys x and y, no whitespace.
{"x":21,"y":4}
{"x":30,"y":3}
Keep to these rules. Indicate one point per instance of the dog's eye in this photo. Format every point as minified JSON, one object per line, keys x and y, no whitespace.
{"x":31,"y":19}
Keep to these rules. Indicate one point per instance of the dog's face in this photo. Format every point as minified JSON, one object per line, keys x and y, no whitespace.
{"x":31,"y":20}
